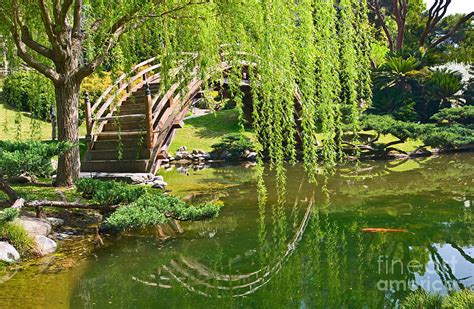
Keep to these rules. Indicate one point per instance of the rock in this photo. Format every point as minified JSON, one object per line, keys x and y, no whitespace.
{"x":183,"y":149}
{"x":34,"y":226}
{"x":252,"y":156}
{"x":206,"y":156}
{"x":157,"y":184}
{"x":55,"y":221}
{"x":171,"y":158}
{"x":181,"y":155}
{"x":45,"y":245}
{"x":8,"y":253}
{"x":134,"y":178}
{"x":23,"y":178}
{"x":246,"y":153}
{"x":159,"y":178}
{"x":225,"y":155}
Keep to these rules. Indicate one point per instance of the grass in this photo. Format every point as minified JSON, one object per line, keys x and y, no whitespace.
{"x":8,"y":128}
{"x":202,"y":132}
{"x":18,"y":238}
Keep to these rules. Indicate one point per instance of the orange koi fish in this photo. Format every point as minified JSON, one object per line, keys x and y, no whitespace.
{"x":382,"y":230}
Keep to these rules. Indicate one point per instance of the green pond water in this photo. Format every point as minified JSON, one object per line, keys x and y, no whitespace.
{"x":302,"y":245}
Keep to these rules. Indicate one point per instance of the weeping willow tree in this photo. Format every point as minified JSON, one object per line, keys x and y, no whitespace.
{"x":310,"y":52}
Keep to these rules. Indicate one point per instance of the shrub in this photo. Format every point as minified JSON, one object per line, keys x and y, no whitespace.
{"x":463,"y":299}
{"x":30,"y":92}
{"x":447,"y":136}
{"x":463,"y":115}
{"x":153,"y":209}
{"x":109,"y":192}
{"x":17,"y":237}
{"x":387,"y":125}
{"x":422,"y":299}
{"x":234,"y":143}
{"x":8,"y":214}
{"x":31,"y":157}
{"x":454,"y":135}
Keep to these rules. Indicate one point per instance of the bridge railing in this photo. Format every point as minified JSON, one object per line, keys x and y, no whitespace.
{"x":120,"y":90}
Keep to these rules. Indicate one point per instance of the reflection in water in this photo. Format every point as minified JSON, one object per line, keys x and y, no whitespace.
{"x":301,"y":244}
{"x":293,"y":245}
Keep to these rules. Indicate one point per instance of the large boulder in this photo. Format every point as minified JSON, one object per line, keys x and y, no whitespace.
{"x":8,"y":253}
{"x":45,"y":245}
{"x":34,"y":226}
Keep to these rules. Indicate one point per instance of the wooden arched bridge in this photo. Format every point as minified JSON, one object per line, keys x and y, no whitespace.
{"x":132,"y":124}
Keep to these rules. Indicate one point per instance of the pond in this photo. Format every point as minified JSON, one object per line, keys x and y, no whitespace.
{"x":300,"y":245}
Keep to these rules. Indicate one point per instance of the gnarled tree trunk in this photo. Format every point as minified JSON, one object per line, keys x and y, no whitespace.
{"x":67,"y":101}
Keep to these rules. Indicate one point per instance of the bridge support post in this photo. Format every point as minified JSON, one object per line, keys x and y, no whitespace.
{"x":149,"y":116}
{"x":87,"y":102}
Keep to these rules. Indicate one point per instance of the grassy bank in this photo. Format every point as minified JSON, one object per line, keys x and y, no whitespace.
{"x":25,"y":125}
{"x":204,"y":131}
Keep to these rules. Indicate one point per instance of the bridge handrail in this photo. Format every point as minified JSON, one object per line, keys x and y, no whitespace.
{"x":109,"y":94}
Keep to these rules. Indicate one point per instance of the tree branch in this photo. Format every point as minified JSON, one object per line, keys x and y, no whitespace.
{"x":436,"y":12}
{"x":76,"y":27}
{"x":452,"y":31}
{"x":116,"y":31}
{"x":8,"y":190}
{"x":375,"y":6}
{"x":40,"y":49}
{"x":23,"y":54}
{"x":48,"y":24}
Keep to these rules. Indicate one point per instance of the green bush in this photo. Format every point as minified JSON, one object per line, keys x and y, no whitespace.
{"x":434,"y":135}
{"x":234,"y":143}
{"x":18,"y":238}
{"x":462,"y":115}
{"x":463,"y":299}
{"x":30,"y":92}
{"x":109,"y":192}
{"x":422,"y":299}
{"x":447,"y":136}
{"x":153,"y":209}
{"x":387,"y":125}
{"x":8,"y":214}
{"x":30,"y":157}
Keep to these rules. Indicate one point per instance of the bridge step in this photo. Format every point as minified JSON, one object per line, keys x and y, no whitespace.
{"x":127,"y":154}
{"x":115,"y":166}
{"x":115,"y":135}
{"x":132,"y":107}
{"x":135,"y":109}
{"x":132,"y":117}
{"x":124,"y":126}
{"x":113,"y":144}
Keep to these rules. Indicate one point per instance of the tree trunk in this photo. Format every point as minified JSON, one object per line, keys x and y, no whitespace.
{"x":67,"y":101}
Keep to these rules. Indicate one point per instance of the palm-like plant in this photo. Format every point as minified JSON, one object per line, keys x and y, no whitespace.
{"x":395,"y":83}
{"x":443,"y":90}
